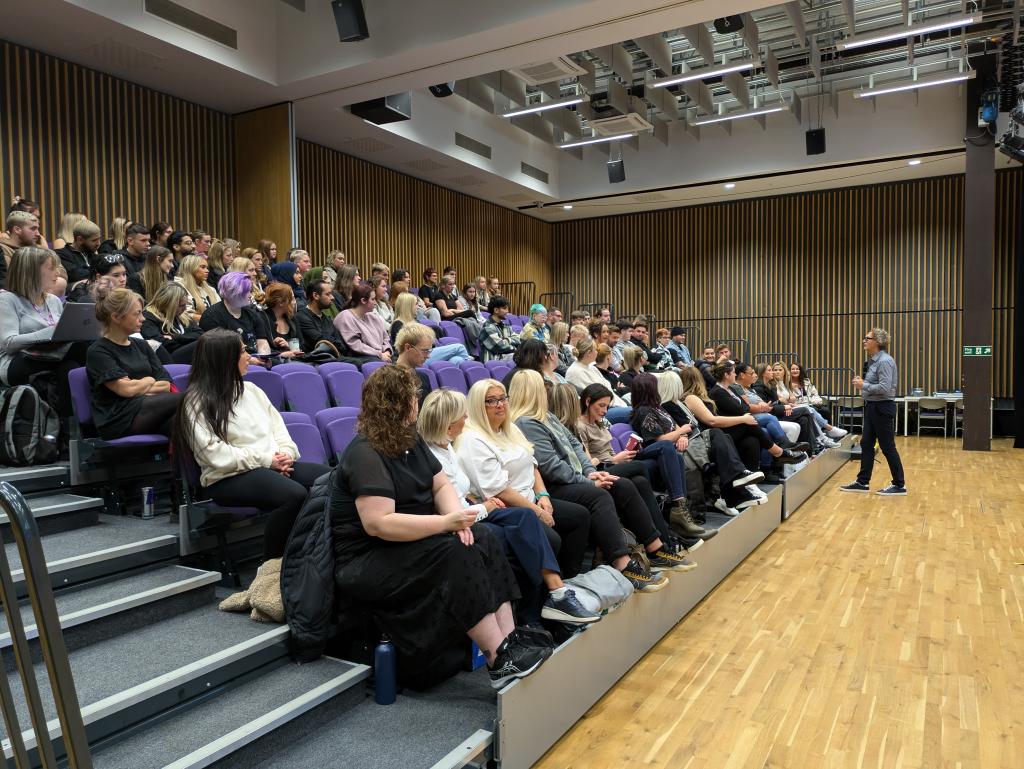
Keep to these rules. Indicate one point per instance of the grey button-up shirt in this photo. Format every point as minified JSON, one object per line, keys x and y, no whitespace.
{"x":881,"y":378}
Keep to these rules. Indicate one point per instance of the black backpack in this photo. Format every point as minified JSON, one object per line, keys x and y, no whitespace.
{"x":30,"y":428}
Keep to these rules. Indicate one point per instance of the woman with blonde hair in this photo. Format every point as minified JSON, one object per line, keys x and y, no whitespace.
{"x":166,"y":320}
{"x":155,"y":272}
{"x":441,"y":421}
{"x":456,"y":353}
{"x":192,"y":274}
{"x":570,"y":475}
{"x":499,"y":463}
{"x":132,"y":394}
{"x":393,"y":515}
{"x":66,"y":230}
{"x":220,"y":255}
{"x":118,"y":236}
{"x":559,"y":340}
{"x":335,"y":261}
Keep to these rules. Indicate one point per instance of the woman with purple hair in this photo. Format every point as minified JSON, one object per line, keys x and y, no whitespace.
{"x":235,"y":313}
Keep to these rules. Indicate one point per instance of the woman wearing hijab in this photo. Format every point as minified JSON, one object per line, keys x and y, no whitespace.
{"x":286,"y":272}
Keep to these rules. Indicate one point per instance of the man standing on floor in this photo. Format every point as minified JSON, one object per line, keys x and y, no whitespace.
{"x":878,"y":389}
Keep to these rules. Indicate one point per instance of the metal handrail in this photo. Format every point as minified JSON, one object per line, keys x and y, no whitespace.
{"x":566,"y":301}
{"x":51,"y":642}
{"x":595,"y":307}
{"x":734,"y":345}
{"x":520,"y":295}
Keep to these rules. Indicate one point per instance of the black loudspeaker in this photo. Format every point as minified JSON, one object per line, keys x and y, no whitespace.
{"x":442,"y":89}
{"x":616,"y":171}
{"x":351,"y":21}
{"x":390,"y":109}
{"x":726,"y":25}
{"x":816,"y":141}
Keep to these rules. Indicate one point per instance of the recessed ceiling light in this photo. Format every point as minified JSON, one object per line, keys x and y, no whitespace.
{"x":914,"y":162}
{"x":567,"y":207}
{"x":730,"y":185}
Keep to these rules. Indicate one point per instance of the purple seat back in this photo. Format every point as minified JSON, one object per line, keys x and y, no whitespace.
{"x":620,"y":434}
{"x":431,"y":376}
{"x":501,"y":372}
{"x":493,"y":365}
{"x":305,"y":391}
{"x":340,"y":433}
{"x":475,"y":374}
{"x":81,"y":398}
{"x":369,"y":368}
{"x":272,"y":384}
{"x":451,"y":328}
{"x":181,"y":381}
{"x":345,"y":387}
{"x":327,"y":416}
{"x":296,"y":418}
{"x":414,"y":290}
{"x":283,"y":369}
{"x":446,"y":340}
{"x":311,"y":445}
{"x":173,"y":369}
{"x":452,"y":378}
{"x":336,"y":365}
{"x":431,"y":323}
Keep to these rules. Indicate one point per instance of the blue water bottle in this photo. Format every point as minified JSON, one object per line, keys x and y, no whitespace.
{"x":384,"y":672}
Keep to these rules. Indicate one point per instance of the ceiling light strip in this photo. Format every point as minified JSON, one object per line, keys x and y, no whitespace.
{"x":596,"y":140}
{"x":910,"y":85}
{"x":545,"y":106}
{"x":702,"y":74}
{"x":740,"y":114}
{"x":909,"y":30}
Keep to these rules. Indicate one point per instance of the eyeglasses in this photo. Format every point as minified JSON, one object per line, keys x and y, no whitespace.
{"x":496,"y":401}
{"x":424,"y":350}
{"x":868,"y":338}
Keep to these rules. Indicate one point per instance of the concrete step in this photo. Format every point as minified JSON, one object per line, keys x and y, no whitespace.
{"x":58,"y":511}
{"x":37,"y":477}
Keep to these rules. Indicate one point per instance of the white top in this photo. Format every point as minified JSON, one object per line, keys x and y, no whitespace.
{"x":255,"y":432}
{"x":492,"y":469}
{"x":453,"y":469}
{"x":581,"y":376}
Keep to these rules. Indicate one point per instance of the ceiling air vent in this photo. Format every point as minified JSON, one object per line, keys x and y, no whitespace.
{"x":621,"y":124}
{"x":481,"y":149}
{"x":549,"y":71}
{"x":534,"y":172}
{"x":193,"y":22}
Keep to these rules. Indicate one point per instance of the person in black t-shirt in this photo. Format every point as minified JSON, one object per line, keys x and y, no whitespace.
{"x":107,"y":272}
{"x":76,"y":256}
{"x":429,"y":289}
{"x":235,"y":313}
{"x":312,"y":324}
{"x":166,"y":320}
{"x":135,"y":247}
{"x":131,"y":391}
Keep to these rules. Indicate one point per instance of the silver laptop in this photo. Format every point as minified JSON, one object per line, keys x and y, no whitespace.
{"x":77,"y":323}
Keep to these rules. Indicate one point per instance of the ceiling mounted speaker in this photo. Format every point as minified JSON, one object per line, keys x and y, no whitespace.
{"x":351,"y":21}
{"x":389,"y":109}
{"x":616,"y":171}
{"x":816,"y":141}
{"x":726,"y":25}
{"x":443,"y":89}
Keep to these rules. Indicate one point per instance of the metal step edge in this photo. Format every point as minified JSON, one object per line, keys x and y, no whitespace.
{"x":80,"y":503}
{"x":470,"y":749}
{"x":268,"y":722}
{"x":77,"y":561}
{"x":15,"y":474}
{"x":80,"y":617}
{"x":170,"y":680}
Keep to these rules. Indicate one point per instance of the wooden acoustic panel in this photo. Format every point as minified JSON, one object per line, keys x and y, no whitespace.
{"x":264,"y":176}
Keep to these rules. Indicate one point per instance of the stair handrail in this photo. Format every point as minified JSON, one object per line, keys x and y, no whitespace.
{"x":51,"y":641}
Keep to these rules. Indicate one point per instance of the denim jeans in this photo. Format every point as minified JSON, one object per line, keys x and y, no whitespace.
{"x":670,"y":465}
{"x":619,"y":414}
{"x":771,"y":425}
{"x":456,"y":353}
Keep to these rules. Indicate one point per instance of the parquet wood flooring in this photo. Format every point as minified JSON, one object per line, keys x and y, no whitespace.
{"x":865,"y":632}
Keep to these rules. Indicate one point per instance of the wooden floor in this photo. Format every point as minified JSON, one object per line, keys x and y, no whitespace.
{"x":865,"y":632}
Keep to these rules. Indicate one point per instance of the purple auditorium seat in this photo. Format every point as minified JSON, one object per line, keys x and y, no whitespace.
{"x":475,"y":374}
{"x":327,"y":416}
{"x":296,"y":418}
{"x":173,"y":369}
{"x":309,"y":441}
{"x":435,"y":365}
{"x":452,"y":378}
{"x":431,"y":323}
{"x":493,"y":365}
{"x":431,"y":376}
{"x":345,"y":387}
{"x":340,"y":433}
{"x":335,"y":365}
{"x":181,"y":381}
{"x":446,"y":340}
{"x":369,"y":368}
{"x":272,"y":384}
{"x":284,"y":369}
{"x":620,"y":434}
{"x":452,"y":329}
{"x":305,"y":391}
{"x":81,"y":402}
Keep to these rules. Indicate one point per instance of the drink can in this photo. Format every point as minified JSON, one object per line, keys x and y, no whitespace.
{"x":148,"y":501}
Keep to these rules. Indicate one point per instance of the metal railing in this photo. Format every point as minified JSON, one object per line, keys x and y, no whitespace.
{"x":563,"y":300}
{"x":520,"y":295}
{"x":595,"y":307}
{"x":51,"y":641}
{"x":740,"y":348}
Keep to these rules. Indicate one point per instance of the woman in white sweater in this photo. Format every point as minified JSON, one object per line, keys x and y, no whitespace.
{"x":244,"y":452}
{"x":584,"y":373}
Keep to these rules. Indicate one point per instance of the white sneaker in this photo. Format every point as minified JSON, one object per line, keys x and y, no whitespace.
{"x":752,"y":476}
{"x":827,"y":443}
{"x":836,"y":433}
{"x":757,"y":491}
{"x":724,"y":509}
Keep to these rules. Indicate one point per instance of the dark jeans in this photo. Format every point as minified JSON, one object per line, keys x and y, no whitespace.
{"x":156,"y":415}
{"x":641,"y":476}
{"x":670,"y":464}
{"x":605,"y":529}
{"x":749,"y":440}
{"x":23,"y":367}
{"x":571,"y":532}
{"x":267,"y":490}
{"x":880,"y":425}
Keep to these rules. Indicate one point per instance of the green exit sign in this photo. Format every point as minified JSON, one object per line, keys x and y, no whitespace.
{"x":977,"y":351}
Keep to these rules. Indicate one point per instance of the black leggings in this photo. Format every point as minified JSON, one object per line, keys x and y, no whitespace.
{"x":267,"y":490}
{"x":156,"y":415}
{"x":749,"y":440}
{"x":572,"y":529}
{"x":640,"y":475}
{"x":22,"y":368}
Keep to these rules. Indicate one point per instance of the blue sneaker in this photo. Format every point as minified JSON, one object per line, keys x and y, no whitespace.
{"x":893,"y":491}
{"x":863,"y":488}
{"x":568,"y":609}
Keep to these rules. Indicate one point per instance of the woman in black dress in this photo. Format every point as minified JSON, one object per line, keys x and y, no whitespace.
{"x":406,"y":550}
{"x":131,"y":391}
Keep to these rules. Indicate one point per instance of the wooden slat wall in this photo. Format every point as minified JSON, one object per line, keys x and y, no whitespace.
{"x":807,"y":273}
{"x":78,"y":140}
{"x":375,"y":214}
{"x":263,"y":174}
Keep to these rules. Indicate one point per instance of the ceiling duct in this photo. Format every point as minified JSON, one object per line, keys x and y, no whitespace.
{"x":553,"y":70}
